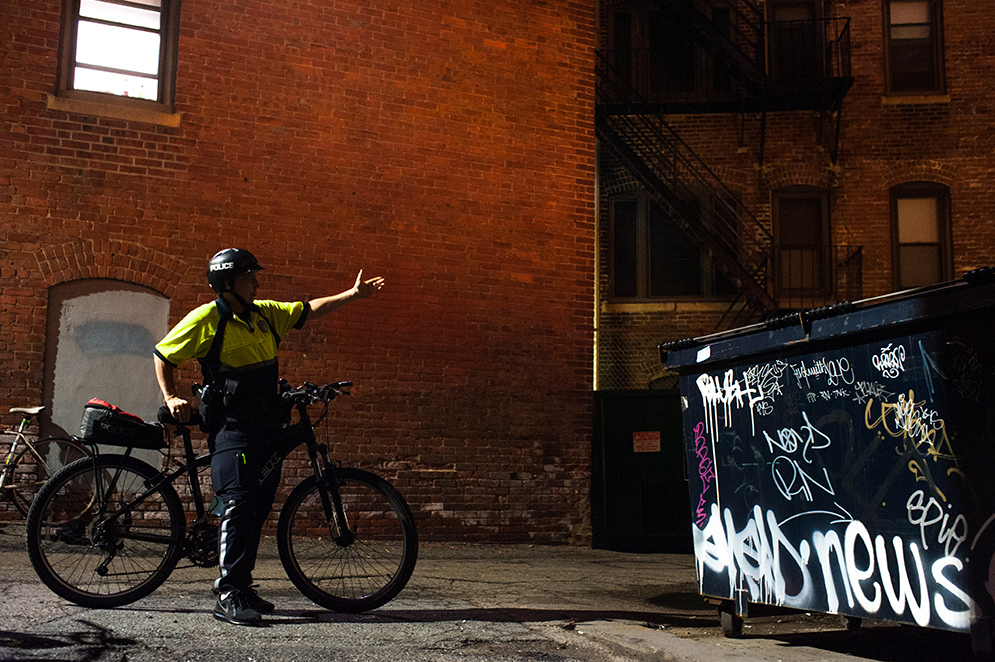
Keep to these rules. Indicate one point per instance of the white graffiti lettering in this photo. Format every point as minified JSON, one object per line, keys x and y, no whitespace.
{"x":791,"y":479}
{"x":913,"y":421}
{"x":916,"y":420}
{"x":836,"y":371}
{"x":925,"y":516}
{"x":890,"y":362}
{"x":725,"y":394}
{"x":960,"y":619}
{"x":865,"y":390}
{"x":767,"y":379}
{"x":789,"y":476}
{"x":828,"y":395}
{"x":760,"y":559}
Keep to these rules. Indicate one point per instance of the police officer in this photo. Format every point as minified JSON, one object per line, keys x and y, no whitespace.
{"x":247,"y":372}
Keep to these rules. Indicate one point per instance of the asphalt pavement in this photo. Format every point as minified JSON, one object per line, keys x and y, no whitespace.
{"x":493,"y":603}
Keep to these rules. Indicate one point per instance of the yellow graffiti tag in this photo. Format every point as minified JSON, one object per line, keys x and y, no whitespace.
{"x":913,"y":422}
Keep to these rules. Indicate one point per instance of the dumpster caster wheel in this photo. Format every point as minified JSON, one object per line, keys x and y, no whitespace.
{"x":732,"y":625}
{"x":851,"y":623}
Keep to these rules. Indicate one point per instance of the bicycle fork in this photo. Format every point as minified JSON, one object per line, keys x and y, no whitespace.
{"x":331,"y":497}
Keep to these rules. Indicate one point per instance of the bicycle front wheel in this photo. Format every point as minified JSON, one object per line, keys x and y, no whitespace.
{"x":356,"y":565}
{"x":37,"y":463}
{"x":99,"y":536}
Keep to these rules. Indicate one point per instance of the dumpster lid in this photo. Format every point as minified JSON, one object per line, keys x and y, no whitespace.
{"x":887,"y":313}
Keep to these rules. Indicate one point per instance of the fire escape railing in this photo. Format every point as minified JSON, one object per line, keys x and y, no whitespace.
{"x":815,"y":47}
{"x":736,"y":35}
{"x":809,"y":69}
{"x":817,"y":276}
{"x":681,"y":182}
{"x":809,"y":64}
{"x":740,"y":64}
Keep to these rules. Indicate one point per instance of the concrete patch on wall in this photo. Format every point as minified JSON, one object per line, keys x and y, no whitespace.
{"x":104,"y":350}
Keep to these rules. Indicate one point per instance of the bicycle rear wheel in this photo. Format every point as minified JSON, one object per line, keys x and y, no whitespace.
{"x":32,"y":469}
{"x":348,"y":573}
{"x":98,"y":536}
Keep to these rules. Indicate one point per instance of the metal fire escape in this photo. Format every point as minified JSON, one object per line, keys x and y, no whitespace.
{"x":740,"y":64}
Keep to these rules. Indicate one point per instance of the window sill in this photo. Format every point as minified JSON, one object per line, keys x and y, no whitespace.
{"x":912,"y":100}
{"x":112,"y":110}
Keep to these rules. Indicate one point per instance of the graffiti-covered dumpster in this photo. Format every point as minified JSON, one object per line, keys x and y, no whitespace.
{"x":842,"y":460}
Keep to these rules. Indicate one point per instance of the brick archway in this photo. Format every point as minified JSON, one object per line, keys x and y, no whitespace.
{"x":902,"y":172}
{"x":118,"y":260}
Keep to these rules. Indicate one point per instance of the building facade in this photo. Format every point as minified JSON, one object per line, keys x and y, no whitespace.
{"x":447,"y":147}
{"x":760,"y":157}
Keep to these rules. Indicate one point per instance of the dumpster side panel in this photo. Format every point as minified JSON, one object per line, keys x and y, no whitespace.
{"x":856,"y":481}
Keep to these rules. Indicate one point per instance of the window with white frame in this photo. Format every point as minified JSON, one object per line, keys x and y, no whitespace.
{"x":119,"y":49}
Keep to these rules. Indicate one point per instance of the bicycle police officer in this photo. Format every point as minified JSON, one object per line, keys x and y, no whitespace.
{"x":247,"y":375}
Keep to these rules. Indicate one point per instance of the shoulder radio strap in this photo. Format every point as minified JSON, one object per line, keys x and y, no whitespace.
{"x":210,"y":365}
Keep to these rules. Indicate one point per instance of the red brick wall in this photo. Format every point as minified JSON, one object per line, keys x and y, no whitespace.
{"x":949,"y":140}
{"x":446,"y":147}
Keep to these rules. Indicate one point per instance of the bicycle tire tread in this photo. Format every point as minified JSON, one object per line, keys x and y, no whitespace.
{"x":71,"y":588}
{"x":401,"y":568}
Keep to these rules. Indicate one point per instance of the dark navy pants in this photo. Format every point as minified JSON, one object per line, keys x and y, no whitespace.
{"x":235,"y":467}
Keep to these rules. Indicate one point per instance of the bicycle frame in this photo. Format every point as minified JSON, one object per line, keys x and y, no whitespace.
{"x":193,"y":463}
{"x":97,"y":536}
{"x":8,"y":461}
{"x":288,"y":439}
{"x":19,"y":438}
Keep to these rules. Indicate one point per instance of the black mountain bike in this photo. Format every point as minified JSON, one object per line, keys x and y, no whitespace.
{"x":108,"y":530}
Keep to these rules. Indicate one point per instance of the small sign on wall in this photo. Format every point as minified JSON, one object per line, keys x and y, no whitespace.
{"x":646,"y":442}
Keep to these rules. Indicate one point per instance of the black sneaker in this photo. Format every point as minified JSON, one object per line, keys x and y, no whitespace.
{"x":233,"y":606}
{"x":259,"y":604}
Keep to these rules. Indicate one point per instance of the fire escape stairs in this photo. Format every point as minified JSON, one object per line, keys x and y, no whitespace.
{"x":678,"y":180}
{"x":734,"y":35}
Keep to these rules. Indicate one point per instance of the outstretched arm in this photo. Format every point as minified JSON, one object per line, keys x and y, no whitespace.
{"x":362,"y":289}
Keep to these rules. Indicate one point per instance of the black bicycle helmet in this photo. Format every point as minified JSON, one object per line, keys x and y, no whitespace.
{"x":228,"y":264}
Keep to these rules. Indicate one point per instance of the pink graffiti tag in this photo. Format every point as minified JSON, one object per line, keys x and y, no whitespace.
{"x":706,"y":471}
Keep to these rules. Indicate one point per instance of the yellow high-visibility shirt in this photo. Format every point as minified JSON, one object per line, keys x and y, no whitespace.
{"x":245,"y":348}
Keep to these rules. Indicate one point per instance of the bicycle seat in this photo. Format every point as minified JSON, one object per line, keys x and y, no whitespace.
{"x":31,"y":411}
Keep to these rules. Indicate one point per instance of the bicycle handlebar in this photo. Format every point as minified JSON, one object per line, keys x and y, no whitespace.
{"x":309,"y":393}
{"x":306,"y":394}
